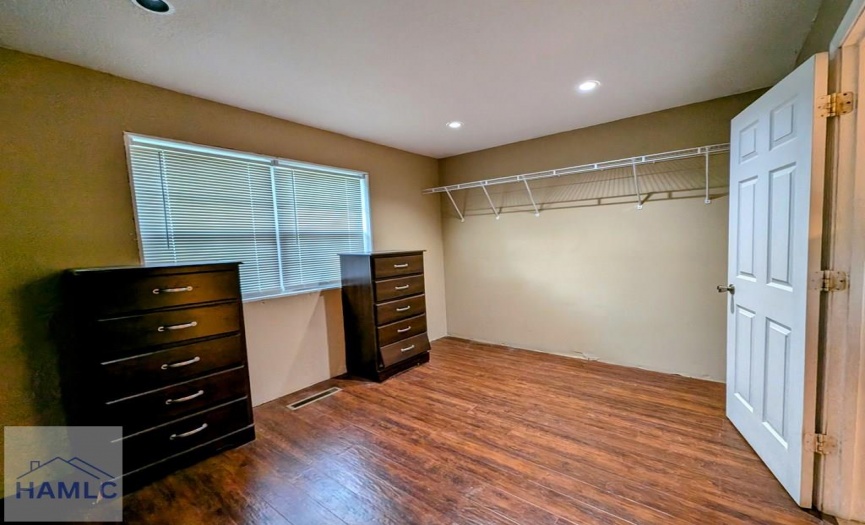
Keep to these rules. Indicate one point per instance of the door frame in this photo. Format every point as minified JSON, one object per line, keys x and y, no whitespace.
{"x":840,"y":474}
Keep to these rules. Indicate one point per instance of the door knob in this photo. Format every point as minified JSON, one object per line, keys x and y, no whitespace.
{"x":729,"y":288}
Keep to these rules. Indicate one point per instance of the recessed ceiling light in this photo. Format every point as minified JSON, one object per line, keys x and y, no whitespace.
{"x":588,"y":85}
{"x":160,"y":7}
{"x":455,"y":124}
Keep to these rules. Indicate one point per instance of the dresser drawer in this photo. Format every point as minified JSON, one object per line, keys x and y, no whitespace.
{"x":159,"y":406}
{"x":396,"y":352}
{"x":396,"y":288}
{"x":113,"y":294}
{"x":385,"y":267}
{"x":391,"y":333}
{"x":124,"y":334}
{"x":134,"y":375}
{"x":183,"y":434}
{"x":393,"y":311}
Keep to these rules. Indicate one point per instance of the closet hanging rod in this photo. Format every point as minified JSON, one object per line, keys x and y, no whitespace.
{"x":586,"y":168}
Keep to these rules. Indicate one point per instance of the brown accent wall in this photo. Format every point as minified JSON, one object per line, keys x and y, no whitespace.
{"x":823,"y":29}
{"x":65,"y":202}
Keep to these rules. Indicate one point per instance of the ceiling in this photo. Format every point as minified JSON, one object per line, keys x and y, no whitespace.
{"x":395,"y":72}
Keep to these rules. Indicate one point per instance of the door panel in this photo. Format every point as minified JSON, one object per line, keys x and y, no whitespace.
{"x":781,"y":220}
{"x":775,"y":387}
{"x":776,"y":177}
{"x":782,"y":123}
{"x":744,"y":342}
{"x":747,"y":206}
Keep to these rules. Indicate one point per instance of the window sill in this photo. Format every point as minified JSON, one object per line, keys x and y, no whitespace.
{"x":262,"y":298}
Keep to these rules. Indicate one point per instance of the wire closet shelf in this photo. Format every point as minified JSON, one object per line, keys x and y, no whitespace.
{"x":635,"y":190}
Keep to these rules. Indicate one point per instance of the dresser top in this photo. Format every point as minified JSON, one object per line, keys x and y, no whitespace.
{"x":382,"y":253}
{"x":157,"y":269}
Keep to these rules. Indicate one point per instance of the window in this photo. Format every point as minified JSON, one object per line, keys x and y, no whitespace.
{"x":286,"y":221}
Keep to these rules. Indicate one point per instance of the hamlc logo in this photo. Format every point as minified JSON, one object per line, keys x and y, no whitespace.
{"x":65,"y":479}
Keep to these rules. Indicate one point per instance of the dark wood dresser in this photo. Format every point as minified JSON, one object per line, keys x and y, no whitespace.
{"x":161,"y":352}
{"x":384,"y":312}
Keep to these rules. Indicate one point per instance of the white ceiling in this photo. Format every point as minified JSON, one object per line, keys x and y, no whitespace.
{"x":395,"y":71}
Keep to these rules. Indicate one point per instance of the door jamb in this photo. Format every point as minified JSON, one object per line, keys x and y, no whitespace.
{"x":840,"y":474}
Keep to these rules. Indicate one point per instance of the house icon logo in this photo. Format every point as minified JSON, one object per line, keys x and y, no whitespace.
{"x":66,"y":479}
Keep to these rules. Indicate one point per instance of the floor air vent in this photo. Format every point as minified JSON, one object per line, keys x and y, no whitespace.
{"x":313,"y":398}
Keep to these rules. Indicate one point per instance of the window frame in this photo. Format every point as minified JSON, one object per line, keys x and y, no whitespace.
{"x":130,"y":138}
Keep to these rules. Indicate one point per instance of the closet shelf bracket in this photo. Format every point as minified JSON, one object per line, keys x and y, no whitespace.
{"x":490,"y":200}
{"x":637,"y":186}
{"x":457,"y":208}
{"x":532,"y":198}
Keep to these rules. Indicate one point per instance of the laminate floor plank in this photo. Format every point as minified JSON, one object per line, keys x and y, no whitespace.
{"x":494,"y":466}
{"x":568,"y":382}
{"x":485,"y":434}
{"x":333,"y":495}
{"x":681,"y":385}
{"x":476,"y":431}
{"x":495,"y":388}
{"x":444,"y":480}
{"x":380,"y":483}
{"x":447,"y":449}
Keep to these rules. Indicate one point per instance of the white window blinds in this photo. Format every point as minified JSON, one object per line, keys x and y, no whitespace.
{"x":286,"y":221}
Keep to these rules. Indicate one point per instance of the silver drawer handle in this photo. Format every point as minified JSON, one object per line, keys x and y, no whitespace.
{"x":157,"y":291}
{"x":172,"y":437}
{"x":403,"y":265}
{"x":177,"y":326}
{"x":184,"y":399}
{"x":181,"y":364}
{"x":404,"y":309}
{"x":409,"y":348}
{"x":403,"y":330}
{"x":403,"y":287}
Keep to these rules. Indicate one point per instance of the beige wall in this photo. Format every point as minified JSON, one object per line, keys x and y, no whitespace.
{"x":628,"y":286}
{"x":65,"y":202}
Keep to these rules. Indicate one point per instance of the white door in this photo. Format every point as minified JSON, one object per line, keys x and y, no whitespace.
{"x":777,"y":155}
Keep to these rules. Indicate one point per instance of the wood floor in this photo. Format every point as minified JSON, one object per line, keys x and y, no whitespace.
{"x":490,"y":435}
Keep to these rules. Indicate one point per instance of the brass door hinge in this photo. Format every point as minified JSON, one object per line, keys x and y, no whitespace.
{"x":829,"y":281}
{"x":820,"y":444}
{"x":835,"y":104}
